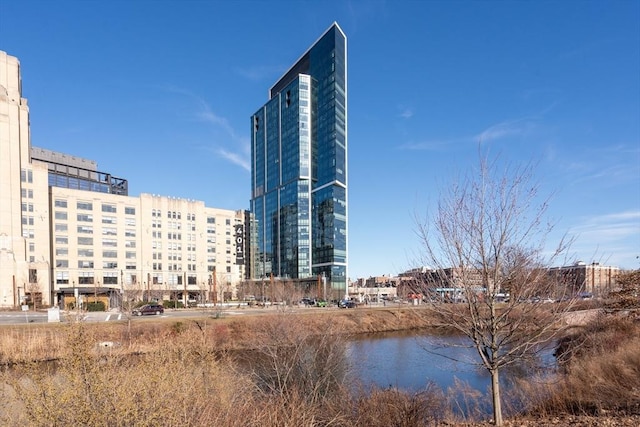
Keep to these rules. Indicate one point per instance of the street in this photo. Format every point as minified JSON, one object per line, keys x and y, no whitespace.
{"x":25,"y":317}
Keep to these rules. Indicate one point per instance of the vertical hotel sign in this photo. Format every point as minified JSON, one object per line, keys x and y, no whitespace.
{"x":239,"y":244}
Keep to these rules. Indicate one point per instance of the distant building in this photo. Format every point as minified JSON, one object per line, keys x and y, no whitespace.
{"x":375,"y":289}
{"x":593,"y":278}
{"x":580,"y":277}
{"x":299,"y":169}
{"x":68,"y":230}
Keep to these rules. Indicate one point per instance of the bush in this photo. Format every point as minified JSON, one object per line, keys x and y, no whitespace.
{"x":172,"y":304}
{"x":600,"y":371}
{"x":96,"y":306}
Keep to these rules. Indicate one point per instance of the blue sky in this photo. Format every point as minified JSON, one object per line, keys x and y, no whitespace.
{"x":160,"y":93}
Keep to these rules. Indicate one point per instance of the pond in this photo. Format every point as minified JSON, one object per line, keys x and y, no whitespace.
{"x":411,"y":360}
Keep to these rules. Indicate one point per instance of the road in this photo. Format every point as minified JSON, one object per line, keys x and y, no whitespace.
{"x":25,"y":317}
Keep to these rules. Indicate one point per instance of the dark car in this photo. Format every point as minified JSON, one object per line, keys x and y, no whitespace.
{"x":148,"y":309}
{"x":347,"y":304}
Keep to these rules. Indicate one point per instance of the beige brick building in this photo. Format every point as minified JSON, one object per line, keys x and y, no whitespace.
{"x":591,"y":278}
{"x":68,"y":230}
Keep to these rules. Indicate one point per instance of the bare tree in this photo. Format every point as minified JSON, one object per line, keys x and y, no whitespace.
{"x":34,"y":292}
{"x":486,"y":244}
{"x":131,"y":294}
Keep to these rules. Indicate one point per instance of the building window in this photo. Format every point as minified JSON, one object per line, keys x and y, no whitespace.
{"x":60,"y":203}
{"x":85,"y":206}
{"x":62,"y":251}
{"x":85,"y":264}
{"x":108,"y":208}
{"x":110,"y":278}
{"x":109,"y":232}
{"x":85,"y":241}
{"x":87,"y":253}
{"x":85,"y":277}
{"x":85,"y":218}
{"x":110,"y":243}
{"x":60,"y":215}
{"x":62,"y":277}
{"x":129,"y":210}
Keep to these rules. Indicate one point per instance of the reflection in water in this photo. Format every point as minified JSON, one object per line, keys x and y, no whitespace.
{"x":412,"y":360}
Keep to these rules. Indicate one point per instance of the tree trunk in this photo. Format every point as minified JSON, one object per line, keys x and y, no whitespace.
{"x":495,"y":391}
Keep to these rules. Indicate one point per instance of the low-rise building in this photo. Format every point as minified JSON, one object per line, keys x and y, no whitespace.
{"x":70,"y":232}
{"x":591,"y":278}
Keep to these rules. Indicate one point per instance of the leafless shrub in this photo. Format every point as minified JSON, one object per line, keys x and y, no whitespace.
{"x":289,"y":358}
{"x":393,"y":407}
{"x":181,"y":383}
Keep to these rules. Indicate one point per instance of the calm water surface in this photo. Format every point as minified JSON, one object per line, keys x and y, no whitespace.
{"x":406,"y":360}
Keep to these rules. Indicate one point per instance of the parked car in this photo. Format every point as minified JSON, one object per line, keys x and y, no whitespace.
{"x":321,"y":303}
{"x":148,"y":309}
{"x":347,"y":304}
{"x":585,"y":295}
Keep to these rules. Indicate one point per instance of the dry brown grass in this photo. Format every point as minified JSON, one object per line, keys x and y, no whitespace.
{"x":599,"y":372}
{"x":189,"y":373}
{"x":182,"y":383}
{"x":36,"y":342}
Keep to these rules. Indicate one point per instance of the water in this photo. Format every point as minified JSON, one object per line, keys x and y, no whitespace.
{"x":409,"y":361}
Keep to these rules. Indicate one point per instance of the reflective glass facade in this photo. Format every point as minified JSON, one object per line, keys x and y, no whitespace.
{"x":299,"y":168}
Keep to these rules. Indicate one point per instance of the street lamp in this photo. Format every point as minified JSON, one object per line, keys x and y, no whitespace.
{"x":121,"y":289}
{"x":75,"y":295}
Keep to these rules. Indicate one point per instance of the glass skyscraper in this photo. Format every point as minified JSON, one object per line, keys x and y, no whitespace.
{"x":299,"y":169}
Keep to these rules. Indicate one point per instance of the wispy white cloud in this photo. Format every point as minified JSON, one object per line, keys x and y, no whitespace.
{"x":434,"y":145}
{"x":236,"y":148}
{"x":607,"y":165}
{"x":261,"y":72}
{"x":502,"y":130}
{"x":608,"y":228}
{"x":405,"y":112}
{"x":235,"y":158}
{"x":505,"y":129}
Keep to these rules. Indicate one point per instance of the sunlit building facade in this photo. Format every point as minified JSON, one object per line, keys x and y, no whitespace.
{"x":69,"y":232}
{"x":299,"y":169}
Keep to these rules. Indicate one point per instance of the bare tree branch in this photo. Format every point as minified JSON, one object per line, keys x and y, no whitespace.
{"x":486,"y":245}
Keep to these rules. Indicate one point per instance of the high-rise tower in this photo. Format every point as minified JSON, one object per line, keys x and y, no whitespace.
{"x":299,"y":169}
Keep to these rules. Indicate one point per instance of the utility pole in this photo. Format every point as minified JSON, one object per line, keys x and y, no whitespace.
{"x":184,"y":294}
{"x":215,"y":287}
{"x":121,"y":289}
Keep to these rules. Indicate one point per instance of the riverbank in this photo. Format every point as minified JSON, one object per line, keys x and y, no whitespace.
{"x":225,"y":329}
{"x":34,"y":342}
{"x":295,"y":359}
